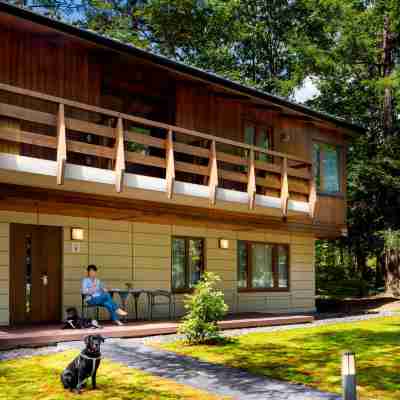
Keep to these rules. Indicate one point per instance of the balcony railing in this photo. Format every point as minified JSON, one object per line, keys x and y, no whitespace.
{"x":59,"y":129}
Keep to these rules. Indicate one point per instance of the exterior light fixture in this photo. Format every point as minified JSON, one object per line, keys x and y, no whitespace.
{"x":223,"y":243}
{"x":77,"y":234}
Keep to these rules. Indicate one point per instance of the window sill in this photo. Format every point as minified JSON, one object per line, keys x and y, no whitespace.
{"x":247,"y":290}
{"x":182,"y":291}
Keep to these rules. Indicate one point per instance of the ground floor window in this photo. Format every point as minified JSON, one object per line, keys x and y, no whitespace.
{"x":187,"y":262}
{"x":263,"y":266}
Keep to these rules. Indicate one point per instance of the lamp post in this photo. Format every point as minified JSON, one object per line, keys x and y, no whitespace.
{"x":349,"y":376}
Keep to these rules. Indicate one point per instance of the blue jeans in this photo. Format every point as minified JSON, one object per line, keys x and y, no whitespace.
{"x":105,"y":300}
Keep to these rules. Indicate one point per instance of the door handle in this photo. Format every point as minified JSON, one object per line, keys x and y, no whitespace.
{"x":45,"y":280}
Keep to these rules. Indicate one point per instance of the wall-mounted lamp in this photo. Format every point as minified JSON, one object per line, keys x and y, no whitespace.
{"x":285,"y":137}
{"x":223,"y":243}
{"x":344,"y":232}
{"x":77,"y":234}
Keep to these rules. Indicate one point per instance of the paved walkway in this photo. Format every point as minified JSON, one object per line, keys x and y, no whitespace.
{"x":213,"y":378}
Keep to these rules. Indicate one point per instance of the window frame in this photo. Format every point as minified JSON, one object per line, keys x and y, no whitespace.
{"x":187,"y":289}
{"x":258,"y":126}
{"x":275,"y":267}
{"x":340,"y":150}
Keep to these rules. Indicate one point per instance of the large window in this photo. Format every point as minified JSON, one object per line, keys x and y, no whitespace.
{"x":326,"y":160}
{"x":263,"y":266}
{"x":187,"y":262}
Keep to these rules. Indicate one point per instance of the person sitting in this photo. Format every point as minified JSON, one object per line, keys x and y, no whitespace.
{"x":97,"y":295}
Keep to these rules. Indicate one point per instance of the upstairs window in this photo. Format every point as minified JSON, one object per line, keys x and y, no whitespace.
{"x":187,"y":262}
{"x":260,"y":136}
{"x":263,"y":266}
{"x":327,"y":170}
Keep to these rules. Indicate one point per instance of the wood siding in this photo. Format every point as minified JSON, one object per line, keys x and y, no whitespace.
{"x":54,"y":64}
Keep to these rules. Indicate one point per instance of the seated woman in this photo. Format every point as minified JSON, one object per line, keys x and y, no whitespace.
{"x":97,"y":295}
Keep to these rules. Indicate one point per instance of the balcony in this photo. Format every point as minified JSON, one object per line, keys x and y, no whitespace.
{"x":47,"y":135}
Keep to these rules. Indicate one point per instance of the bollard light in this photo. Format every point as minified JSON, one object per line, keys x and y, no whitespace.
{"x":349,"y":376}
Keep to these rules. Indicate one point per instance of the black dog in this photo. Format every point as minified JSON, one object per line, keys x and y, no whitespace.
{"x":83,"y":366}
{"x":74,"y":321}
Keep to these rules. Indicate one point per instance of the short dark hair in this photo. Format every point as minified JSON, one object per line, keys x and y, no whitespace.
{"x":91,"y":267}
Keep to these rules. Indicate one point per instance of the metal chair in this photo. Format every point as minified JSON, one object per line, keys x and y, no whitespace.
{"x":152,"y":301}
{"x":85,"y":308}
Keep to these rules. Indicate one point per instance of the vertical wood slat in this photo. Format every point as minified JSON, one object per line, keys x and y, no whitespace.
{"x":170,"y":164}
{"x":312,"y":197}
{"x":251,"y":183}
{"x":284,"y":187}
{"x":61,"y":145}
{"x":119,"y":155}
{"x":213,"y":181}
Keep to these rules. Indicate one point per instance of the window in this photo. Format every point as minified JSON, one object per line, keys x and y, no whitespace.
{"x":187,"y":262}
{"x":260,"y":136}
{"x":326,"y":161}
{"x":263,"y":266}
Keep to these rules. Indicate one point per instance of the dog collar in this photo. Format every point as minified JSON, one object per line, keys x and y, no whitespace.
{"x":90,"y":358}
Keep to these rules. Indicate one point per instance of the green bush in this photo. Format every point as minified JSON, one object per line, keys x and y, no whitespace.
{"x":205,"y":307}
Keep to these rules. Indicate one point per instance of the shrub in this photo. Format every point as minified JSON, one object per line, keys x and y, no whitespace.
{"x":205,"y":307}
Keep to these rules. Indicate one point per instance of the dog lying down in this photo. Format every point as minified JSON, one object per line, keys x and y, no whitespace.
{"x":74,"y":321}
{"x":83,"y":366}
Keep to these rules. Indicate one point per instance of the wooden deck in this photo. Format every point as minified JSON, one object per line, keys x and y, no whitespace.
{"x":35,"y":336}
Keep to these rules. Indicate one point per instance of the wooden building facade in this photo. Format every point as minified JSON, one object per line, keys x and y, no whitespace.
{"x":167,"y":170}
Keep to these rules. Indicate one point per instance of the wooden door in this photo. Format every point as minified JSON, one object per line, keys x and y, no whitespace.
{"x":35,"y":273}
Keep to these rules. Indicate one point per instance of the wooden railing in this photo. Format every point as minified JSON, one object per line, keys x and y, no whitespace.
{"x":66,"y":126}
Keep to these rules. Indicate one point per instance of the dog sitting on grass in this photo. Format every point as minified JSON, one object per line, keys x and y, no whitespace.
{"x":83,"y":366}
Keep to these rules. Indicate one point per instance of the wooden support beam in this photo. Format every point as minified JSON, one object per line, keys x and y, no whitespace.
{"x":251,"y":181}
{"x":61,"y":145}
{"x":284,"y":187}
{"x":170,"y":164}
{"x":119,"y":155}
{"x":213,"y":177}
{"x":312,"y":198}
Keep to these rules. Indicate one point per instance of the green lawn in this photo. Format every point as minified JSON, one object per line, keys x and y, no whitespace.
{"x":38,"y":377}
{"x":312,"y":356}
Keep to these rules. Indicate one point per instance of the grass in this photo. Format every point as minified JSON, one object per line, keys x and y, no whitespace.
{"x":312,"y":356}
{"x":38,"y":377}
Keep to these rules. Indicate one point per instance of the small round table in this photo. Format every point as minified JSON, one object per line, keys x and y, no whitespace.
{"x":124,"y":296}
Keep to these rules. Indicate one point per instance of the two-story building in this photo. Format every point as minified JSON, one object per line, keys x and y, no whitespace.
{"x":155,"y":171}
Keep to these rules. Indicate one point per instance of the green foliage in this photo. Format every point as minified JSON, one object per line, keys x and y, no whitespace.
{"x":206,"y":306}
{"x":391,"y":239}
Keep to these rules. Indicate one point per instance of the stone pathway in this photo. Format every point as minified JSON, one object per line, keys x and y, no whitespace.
{"x":217,"y":379}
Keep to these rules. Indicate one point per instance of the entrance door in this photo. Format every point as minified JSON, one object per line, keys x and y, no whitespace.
{"x":35,"y":273}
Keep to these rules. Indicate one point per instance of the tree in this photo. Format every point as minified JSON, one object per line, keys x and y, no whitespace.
{"x":357,"y":70}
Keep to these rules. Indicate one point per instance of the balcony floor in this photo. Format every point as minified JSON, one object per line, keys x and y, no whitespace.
{"x":43,"y":335}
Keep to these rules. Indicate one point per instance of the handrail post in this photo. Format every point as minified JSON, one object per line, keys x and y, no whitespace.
{"x":251,"y":183}
{"x":120,"y":155}
{"x":61,"y":144}
{"x":312,"y":197}
{"x":284,"y":187}
{"x":170,"y":164}
{"x":213,"y":168}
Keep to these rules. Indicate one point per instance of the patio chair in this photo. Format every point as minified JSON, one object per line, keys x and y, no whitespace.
{"x":153,"y":295}
{"x":86,"y":307}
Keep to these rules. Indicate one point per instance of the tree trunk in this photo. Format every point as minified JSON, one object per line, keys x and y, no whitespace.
{"x":388,"y":65}
{"x":392,"y":273}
